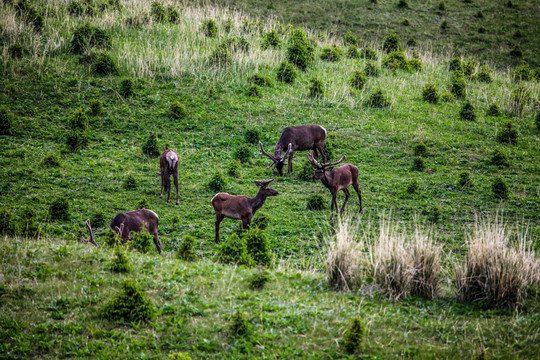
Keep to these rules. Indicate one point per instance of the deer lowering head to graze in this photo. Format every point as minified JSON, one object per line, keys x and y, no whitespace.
{"x":133,"y":221}
{"x":241,"y":207}
{"x":304,"y":137}
{"x":168,"y":163}
{"x":336,"y":179}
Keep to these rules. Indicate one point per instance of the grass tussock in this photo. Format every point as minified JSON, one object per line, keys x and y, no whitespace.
{"x":497,"y":271}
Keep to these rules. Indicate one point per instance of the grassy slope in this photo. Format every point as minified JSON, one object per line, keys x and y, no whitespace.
{"x":44,"y":91}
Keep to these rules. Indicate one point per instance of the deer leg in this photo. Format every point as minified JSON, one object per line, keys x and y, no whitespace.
{"x":246,"y":222}
{"x":357,"y":188}
{"x":323,"y":153}
{"x":334,"y":203}
{"x":219,"y":218}
{"x":156,"y":241}
{"x":162,"y":184}
{"x":347,"y":195}
{"x":176,"y":185}
{"x":290,"y":162}
{"x":168,"y":187}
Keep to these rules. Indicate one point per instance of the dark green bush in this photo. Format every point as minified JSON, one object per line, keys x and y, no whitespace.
{"x":217,"y":183}
{"x":104,"y":64}
{"x":350,"y":39}
{"x":441,"y":6}
{"x":406,"y":22}
{"x":119,"y":262}
{"x":516,"y":51}
{"x":430,"y":93}
{"x":143,"y":203}
{"x":130,"y":182}
{"x":469,"y":67}
{"x":173,"y":14}
{"x":261,"y":220}
{"x":412,"y":42}
{"x":434,"y":214}
{"x":252,"y":136}
{"x":88,"y":36}
{"x":28,"y":224}
{"x":96,"y":107}
{"x":177,"y":110}
{"x":286,"y":72}
{"x":111,"y":238}
{"x":403,"y":4}
{"x":130,"y":305}
{"x":7,"y":121}
{"x":186,"y":249}
{"x":142,"y":241}
{"x":444,"y":25}
{"x":243,"y":153}
{"x":418,"y":164}
{"x":454,"y":63}
{"x":519,"y":99}
{"x":482,"y":30}
{"x":510,"y":4}
{"x":51,"y":160}
{"x":392,"y":43}
{"x":254,"y":91}
{"x":499,"y":188}
{"x":77,"y":137}
{"x":378,"y":99}
{"x":415,"y":64}
{"x":485,"y":74}
{"x":8,"y":224}
{"x":260,"y":80}
{"x":258,"y":246}
{"x":420,"y":149}
{"x":258,"y":279}
{"x":150,"y":147}
{"x":306,"y":171}
{"x":458,"y":84}
{"x":59,"y":209}
{"x":467,"y":112}
{"x":98,"y":219}
{"x":234,"y":167}
{"x":354,"y":336}
{"x":316,"y":89}
{"x":358,"y":80}
{"x":299,"y":51}
{"x":368,"y":53}
{"x":126,"y":88}
{"x":522,"y":73}
{"x":464,"y":179}
{"x":158,"y":11}
{"x":239,"y":324}
{"x":447,"y":97}
{"x":210,"y":28}
{"x":331,"y":53}
{"x":479,"y":14}
{"x":507,"y":134}
{"x":233,"y":251}
{"x":16,"y":50}
{"x":271,"y":39}
{"x":493,"y":110}
{"x":413,"y":187}
{"x":352,"y":52}
{"x":499,"y":158}
{"x":315,"y":202}
{"x":75,"y":8}
{"x":396,"y":60}
{"x":371,"y":69}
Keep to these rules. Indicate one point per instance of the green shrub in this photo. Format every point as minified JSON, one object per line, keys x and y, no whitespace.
{"x":479,"y":14}
{"x":254,"y":91}
{"x":499,"y":158}
{"x":378,"y":99}
{"x":158,"y":11}
{"x":239,"y":324}
{"x":434,"y":214}
{"x":447,"y":97}
{"x":51,"y":160}
{"x":354,"y":336}
{"x":444,"y":25}
{"x":210,"y":28}
{"x":413,"y":187}
{"x":142,"y":241}
{"x":130,"y":305}
{"x":233,"y":169}
{"x":258,"y":279}
{"x":88,"y":36}
{"x":77,"y":137}
{"x":258,"y":246}
{"x":299,"y":51}
{"x":467,"y":112}
{"x":482,"y":30}
{"x":469,"y":67}
{"x":143,"y":203}
{"x":352,"y":52}
{"x":96,"y":107}
{"x":392,"y":43}
{"x":104,"y":64}
{"x":522,"y":73}
{"x":396,"y":60}
{"x":8,"y":224}
{"x":403,"y":4}
{"x":260,"y":80}
{"x":261,"y":220}
{"x":271,"y":39}
{"x":126,"y":88}
{"x":306,"y":171}
{"x":371,"y":69}
{"x":465,"y":179}
{"x":75,"y":8}
{"x":350,"y":39}
{"x":406,"y":22}
{"x":179,"y":356}
{"x":59,"y":209}
{"x":286,"y":72}
{"x":111,"y":238}
{"x":150,"y":147}
{"x":177,"y":110}
{"x":173,"y":15}
{"x":508,"y":134}
{"x":430,"y":93}
{"x":368,"y":53}
{"x":415,"y":64}
{"x":454,"y":63}
{"x":420,"y":149}
{"x":119,"y":262}
{"x":252,"y":136}
{"x":441,"y":6}
{"x":493,"y":110}
{"x":233,"y":251}
{"x":7,"y":121}
{"x":418,"y":164}
{"x":16,"y":51}
{"x":331,"y":53}
{"x":243,"y":153}
{"x":412,"y":42}
{"x":358,"y":80}
{"x":458,"y":84}
{"x":130,"y":182}
{"x":485,"y":74}
{"x":499,"y":188}
{"x":315,"y":202}
{"x":217,"y":183}
{"x":98,"y":219}
{"x":29,"y":226}
{"x":316,"y":89}
{"x":519,"y":99}
{"x":186,"y":249}
{"x":516,"y":51}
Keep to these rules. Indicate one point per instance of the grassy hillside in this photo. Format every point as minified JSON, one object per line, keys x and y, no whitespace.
{"x":48,"y":92}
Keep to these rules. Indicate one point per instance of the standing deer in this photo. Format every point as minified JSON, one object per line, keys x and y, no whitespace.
{"x":133,"y":221}
{"x":168,"y":163}
{"x":304,"y":137}
{"x":337,"y":179}
{"x":241,"y":207}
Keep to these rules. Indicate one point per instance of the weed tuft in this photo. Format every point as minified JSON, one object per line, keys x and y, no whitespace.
{"x":261,"y":220}
{"x":104,"y":64}
{"x":258,"y":247}
{"x":358,"y":80}
{"x":217,"y":183}
{"x":499,"y":158}
{"x":352,"y":52}
{"x":315,"y":202}
{"x":260,"y":80}
{"x":16,"y":51}
{"x":258,"y":280}
{"x":59,"y":209}
{"x":254,"y":90}
{"x":96,"y":107}
{"x":119,"y":262}
{"x":458,"y":84}
{"x":234,"y":167}
{"x":243,"y":153}
{"x":210,"y":28}
{"x":86,"y":37}
{"x":271,"y":39}
{"x":464,"y":179}
{"x":430,"y":93}
{"x":418,"y":164}
{"x":316,"y":89}
{"x":51,"y":160}
{"x":350,"y":39}
{"x":485,"y":74}
{"x":426,"y":263}
{"x":130,"y":183}
{"x":173,"y":14}
{"x":516,"y":51}
{"x":520,"y":97}
{"x":467,"y":112}
{"x":286,"y":72}
{"x":7,"y":121}
{"x":493,"y":110}
{"x":98,"y":219}
{"x":299,"y":52}
{"x":130,"y":305}
{"x":142,"y":241}
{"x":239,"y":324}
{"x":8,"y":224}
{"x":507,"y":134}
{"x":413,"y":187}
{"x":150,"y":147}
{"x":354,"y":336}
{"x":252,"y":136}
{"x":126,"y":88}
{"x":186,"y":249}
{"x":396,"y":61}
{"x":233,"y":250}
{"x":499,"y":188}
{"x":372,"y":69}
{"x":378,"y":99}
{"x":177,"y":110}
{"x":331,"y":53}
{"x":522,"y":73}
{"x":403,"y":4}
{"x":368,"y":53}
{"x":158,"y":12}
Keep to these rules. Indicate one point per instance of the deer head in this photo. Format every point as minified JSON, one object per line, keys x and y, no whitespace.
{"x":278,"y":161}
{"x":321,"y":169}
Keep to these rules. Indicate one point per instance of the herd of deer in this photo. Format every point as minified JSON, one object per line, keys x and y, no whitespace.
{"x":305,"y":137}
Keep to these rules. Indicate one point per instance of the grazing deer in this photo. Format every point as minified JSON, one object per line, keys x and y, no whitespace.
{"x":133,"y":221}
{"x":241,"y":207}
{"x":168,"y":163}
{"x":337,"y":179}
{"x":304,"y":137}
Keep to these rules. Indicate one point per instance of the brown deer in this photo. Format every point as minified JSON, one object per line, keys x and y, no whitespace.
{"x":336,"y":179}
{"x":168,"y":163}
{"x":241,"y":207}
{"x":304,"y":137}
{"x":133,"y":221}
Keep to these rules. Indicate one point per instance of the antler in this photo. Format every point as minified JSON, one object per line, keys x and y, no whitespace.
{"x":312,"y":160}
{"x":274,"y":160}
{"x":91,"y":240}
{"x":334,"y":163}
{"x":262,"y":183}
{"x":289,"y":149}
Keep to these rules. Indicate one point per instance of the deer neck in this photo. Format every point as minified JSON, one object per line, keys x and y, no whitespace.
{"x":328,"y":179}
{"x":258,"y":201}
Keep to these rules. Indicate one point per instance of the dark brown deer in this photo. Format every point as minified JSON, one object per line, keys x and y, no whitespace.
{"x":168,"y":163}
{"x":133,"y":221}
{"x":336,"y":179}
{"x":241,"y":207}
{"x":304,"y":137}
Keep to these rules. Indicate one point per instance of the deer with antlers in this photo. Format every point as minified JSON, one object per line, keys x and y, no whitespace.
{"x":304,"y":137}
{"x":241,"y":207}
{"x":168,"y":164}
{"x":337,"y":179}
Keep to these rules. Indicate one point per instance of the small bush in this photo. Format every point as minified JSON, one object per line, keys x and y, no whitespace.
{"x":150,"y":148}
{"x":350,"y":39}
{"x":233,"y":251}
{"x":444,"y":25}
{"x":243,"y":153}
{"x":454,"y":63}
{"x":252,"y":136}
{"x":271,"y":39}
{"x":186,"y":249}
{"x":447,"y":97}
{"x":119,"y":262}
{"x":51,"y":160}
{"x":179,"y":356}
{"x":519,"y":99}
{"x":368,"y":53}
{"x":415,"y":64}
{"x":371,"y":69}
{"x":233,"y":169}
{"x":258,"y":247}
{"x":331,"y":53}
{"x":286,"y":72}
{"x":16,"y":51}
{"x":516,"y":51}
{"x":467,"y":112}
{"x":28,"y":224}
{"x":217,"y":183}
{"x":316,"y":89}
{"x":173,"y":15}
{"x":413,"y":187}
{"x":300,"y":52}
{"x":418,"y":164}
{"x":396,"y":60}
{"x":96,"y":107}
{"x":177,"y":110}
{"x":261,"y":220}
{"x":406,"y":22}
{"x":130,"y":182}
{"x":434,"y":214}
{"x":142,"y":241}
{"x":111,"y":238}
{"x":77,"y":137}
{"x":258,"y":279}
{"x":412,"y":42}
{"x":458,"y":84}
{"x":86,"y":36}
{"x":420,"y":149}
{"x":59,"y":209}
{"x":441,"y":6}
{"x":221,"y":56}
{"x":126,"y":88}
{"x":98,"y":219}
{"x":260,"y":80}
{"x":7,"y":121}
{"x":403,"y":4}
{"x":465,"y":179}
{"x":353,"y":338}
{"x":143,"y":203}
{"x":378,"y":99}
{"x":469,"y":67}
{"x":352,"y":52}
{"x":104,"y":64}
{"x":210,"y":28}
{"x":499,"y":158}
{"x":358,"y":80}
{"x":8,"y":224}
{"x":130,"y":305}
{"x":522,"y":73}
{"x":254,"y":91}
{"x":430,"y":93}
{"x":485,"y":74}
{"x":315,"y":202}
{"x":239,"y":324}
{"x":158,"y":11}
{"x":306,"y":171}
{"x":508,"y":134}
{"x":392,"y":43}
{"x":499,"y":188}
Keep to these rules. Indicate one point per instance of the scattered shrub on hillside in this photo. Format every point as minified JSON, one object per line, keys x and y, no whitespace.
{"x":331,"y":53}
{"x":158,"y":11}
{"x":522,"y":73}
{"x":177,"y":110}
{"x":150,"y":147}
{"x":210,"y":28}
{"x":29,"y":227}
{"x":444,"y":25}
{"x":493,"y":110}
{"x":179,"y":356}
{"x":352,"y":52}
{"x":16,"y":51}
{"x":507,"y":134}
{"x":104,"y":64}
{"x":130,"y":305}
{"x":392,"y":43}
{"x":406,"y":22}
{"x":77,"y":136}
{"x":260,"y":80}
{"x":511,"y":5}
{"x":186,"y":249}
{"x":499,"y":188}
{"x":499,"y":158}
{"x":59,"y":209}
{"x":485,"y":74}
{"x":142,"y":241}
{"x":412,"y":42}
{"x":482,"y":29}
{"x":396,"y":60}
{"x":271,"y":39}
{"x":368,"y":53}
{"x":126,"y":88}
{"x":418,"y":164}
{"x":441,"y":6}
{"x":434,"y":214}
{"x":299,"y":52}
{"x":88,"y":36}
{"x":469,"y":67}
{"x":51,"y":160}
{"x":239,"y":324}
{"x":430,"y":93}
{"x":98,"y":219}
{"x":8,"y":224}
{"x":111,"y":238}
{"x":315,"y":202}
{"x":119,"y":262}
{"x":75,"y":8}
{"x":516,"y":51}
{"x":306,"y":171}
{"x":286,"y":72}
{"x":243,"y":153}
{"x":354,"y":336}
{"x":378,"y":99}
{"x":143,"y":203}
{"x":259,"y":279}
{"x":7,"y":121}
{"x":447,"y":97}
{"x":479,"y":14}
{"x":173,"y":15}
{"x":261,"y":220}
{"x":403,"y":4}
{"x":233,"y":250}
{"x":96,"y":107}
{"x":415,"y":64}
{"x":454,"y":63}
{"x":258,"y":247}
{"x":130,"y":182}
{"x":519,"y":99}
{"x":413,"y":187}
{"x":467,"y":112}
{"x":316,"y":89}
{"x":217,"y":182}
{"x":350,"y":39}
{"x":252,"y":136}
{"x":464,"y":179}
{"x":458,"y":84}
{"x":358,"y":80}
{"x":254,"y":91}
{"x":371,"y":69}
{"x":234,"y":167}
{"x":420,"y":149}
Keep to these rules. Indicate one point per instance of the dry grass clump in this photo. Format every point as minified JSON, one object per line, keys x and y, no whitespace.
{"x":426,"y":265}
{"x":495,"y":272}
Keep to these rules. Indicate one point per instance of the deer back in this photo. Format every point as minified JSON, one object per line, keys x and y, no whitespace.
{"x":232,"y":206}
{"x":341,"y":177}
{"x":302,"y":137}
{"x":168,"y":161}
{"x":133,"y":221}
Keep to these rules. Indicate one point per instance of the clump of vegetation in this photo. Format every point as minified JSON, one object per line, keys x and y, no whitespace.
{"x":420,"y":149}
{"x":86,"y":37}
{"x":315,"y":202}
{"x":179,"y":356}
{"x":507,"y":134}
{"x":516,"y":51}
{"x":150,"y":147}
{"x":430,"y":93}
{"x":519,"y":99}
{"x":465,"y":179}
{"x":467,"y":112}
{"x":104,"y":64}
{"x":142,"y":241}
{"x":51,"y":160}
{"x":299,"y":52}
{"x":403,"y":4}
{"x":186,"y":249}
{"x":418,"y":164}
{"x":126,"y":88}
{"x":98,"y":219}
{"x":59,"y":209}
{"x":500,"y":188}
{"x":441,"y":6}
{"x":444,"y":25}
{"x":434,"y":214}
{"x":354,"y":336}
{"x":415,"y":64}
{"x":16,"y":51}
{"x":412,"y":42}
{"x":29,"y":226}
{"x":396,"y":60}
{"x":7,"y":121}
{"x":469,"y":67}
{"x":352,"y":52}
{"x":271,"y":39}
{"x":222,"y":55}
{"x":350,"y":39}
{"x":485,"y":74}
{"x":239,"y":324}
{"x":130,"y":305}
{"x":261,"y":220}
{"x":493,"y":110}
{"x":458,"y":84}
{"x":210,"y":28}
{"x":413,"y":187}
{"x":406,"y":22}
{"x":252,"y":136}
{"x":537,"y":120}
{"x":130,"y":182}
{"x":233,"y":250}
{"x":243,"y":153}
{"x":499,"y":158}
{"x":331,"y":53}
{"x":286,"y":72}
{"x":316,"y":89}
{"x":8,"y":224}
{"x":371,"y":69}
{"x":77,"y":137}
{"x":217,"y":183}
{"x":143,"y":203}
{"x":258,"y":247}
{"x":447,"y":97}
{"x":358,"y":80}
{"x":306,"y":171}
{"x":260,"y":80}
{"x":177,"y":110}
{"x":119,"y":262}
{"x":522,"y":73}
{"x":158,"y":11}
{"x":111,"y":238}
{"x":259,"y":279}
{"x":173,"y":15}
{"x":233,"y":169}
{"x":426,"y":263}
{"x":254,"y":91}
{"x":368,"y":53}
{"x":454,"y":63}
{"x":378,"y":99}
{"x":96,"y":107}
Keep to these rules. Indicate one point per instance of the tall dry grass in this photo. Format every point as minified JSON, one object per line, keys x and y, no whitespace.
{"x":426,"y":264}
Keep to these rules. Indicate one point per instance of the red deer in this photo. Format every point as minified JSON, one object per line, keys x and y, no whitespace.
{"x":304,"y":137}
{"x":168,"y":163}
{"x":337,"y":179}
{"x":241,"y":207}
{"x":126,"y":223}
